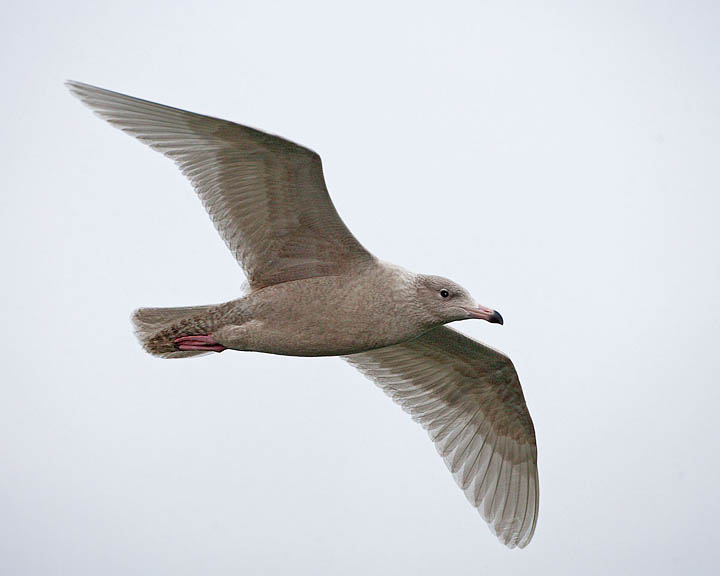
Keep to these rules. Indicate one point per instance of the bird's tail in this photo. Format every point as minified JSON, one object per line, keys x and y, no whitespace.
{"x":157,"y":328}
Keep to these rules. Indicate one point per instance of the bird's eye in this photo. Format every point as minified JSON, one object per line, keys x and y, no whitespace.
{"x":444,"y":293}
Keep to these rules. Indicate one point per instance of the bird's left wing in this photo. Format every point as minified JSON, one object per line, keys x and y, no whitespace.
{"x":468,"y":397}
{"x":265,"y":195}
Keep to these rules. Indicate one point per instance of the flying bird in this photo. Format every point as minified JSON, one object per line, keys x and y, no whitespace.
{"x":314,"y":290}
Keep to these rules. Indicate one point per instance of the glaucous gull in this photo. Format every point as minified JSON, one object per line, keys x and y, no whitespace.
{"x":315,"y":291}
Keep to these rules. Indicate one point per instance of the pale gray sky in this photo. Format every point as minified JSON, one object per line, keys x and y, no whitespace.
{"x":561,"y":160}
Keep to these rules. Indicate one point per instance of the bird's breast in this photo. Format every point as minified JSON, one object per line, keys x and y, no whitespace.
{"x":331,"y":316}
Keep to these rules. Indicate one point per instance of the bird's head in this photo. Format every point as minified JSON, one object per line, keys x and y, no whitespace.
{"x":447,"y":301}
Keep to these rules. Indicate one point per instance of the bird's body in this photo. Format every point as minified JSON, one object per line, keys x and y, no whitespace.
{"x":315,"y":291}
{"x":292,"y":318}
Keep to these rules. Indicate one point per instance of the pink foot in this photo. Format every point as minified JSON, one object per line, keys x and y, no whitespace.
{"x":202,"y":342}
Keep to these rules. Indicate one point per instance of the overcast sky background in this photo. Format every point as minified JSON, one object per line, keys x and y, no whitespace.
{"x":561,"y":160}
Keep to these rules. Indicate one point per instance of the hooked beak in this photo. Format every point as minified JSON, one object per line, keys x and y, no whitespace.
{"x":482,"y":313}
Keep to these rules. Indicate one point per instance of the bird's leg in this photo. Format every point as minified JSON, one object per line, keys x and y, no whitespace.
{"x":198,"y":342}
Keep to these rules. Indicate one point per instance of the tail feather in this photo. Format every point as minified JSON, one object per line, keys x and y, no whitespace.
{"x":157,"y":328}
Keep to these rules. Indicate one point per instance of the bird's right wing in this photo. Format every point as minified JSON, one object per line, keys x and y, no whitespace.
{"x":468,"y":397}
{"x":265,"y":195}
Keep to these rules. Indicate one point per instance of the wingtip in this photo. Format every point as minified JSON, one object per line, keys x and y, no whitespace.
{"x":83,"y":90}
{"x":72,"y":84}
{"x":76,"y":88}
{"x":513,"y":540}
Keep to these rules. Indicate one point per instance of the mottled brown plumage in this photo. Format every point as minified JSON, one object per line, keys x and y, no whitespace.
{"x":315,"y":291}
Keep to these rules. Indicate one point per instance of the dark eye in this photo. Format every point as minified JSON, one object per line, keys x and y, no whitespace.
{"x":444,"y":293}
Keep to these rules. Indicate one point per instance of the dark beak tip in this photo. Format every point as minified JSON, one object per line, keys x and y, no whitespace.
{"x":496,"y":318}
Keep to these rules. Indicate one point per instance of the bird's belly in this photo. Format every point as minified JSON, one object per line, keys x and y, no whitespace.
{"x":326,"y":336}
{"x":330,"y":316}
